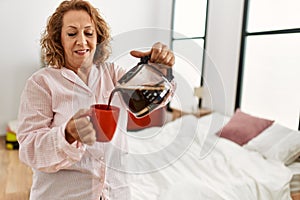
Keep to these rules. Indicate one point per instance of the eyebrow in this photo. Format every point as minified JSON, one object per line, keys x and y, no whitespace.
{"x":86,"y":27}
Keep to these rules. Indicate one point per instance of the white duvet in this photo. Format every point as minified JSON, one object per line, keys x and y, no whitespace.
{"x":186,"y":160}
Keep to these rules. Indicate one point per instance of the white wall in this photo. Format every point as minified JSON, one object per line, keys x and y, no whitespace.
{"x":223,"y":46}
{"x":22,"y":22}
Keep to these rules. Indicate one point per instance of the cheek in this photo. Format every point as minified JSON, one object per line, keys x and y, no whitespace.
{"x":93,"y":43}
{"x":66,"y":44}
{"x":67,"y":48}
{"x":63,"y":43}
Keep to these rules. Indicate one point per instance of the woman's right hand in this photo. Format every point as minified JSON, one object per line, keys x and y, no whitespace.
{"x":80,"y":128}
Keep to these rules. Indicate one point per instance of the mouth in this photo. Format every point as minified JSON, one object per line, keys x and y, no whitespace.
{"x":82,"y":51}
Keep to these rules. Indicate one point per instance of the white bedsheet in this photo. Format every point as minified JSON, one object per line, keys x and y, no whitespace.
{"x":185,"y":160}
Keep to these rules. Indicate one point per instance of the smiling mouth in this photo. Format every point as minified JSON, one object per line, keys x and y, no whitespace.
{"x":82,"y":52}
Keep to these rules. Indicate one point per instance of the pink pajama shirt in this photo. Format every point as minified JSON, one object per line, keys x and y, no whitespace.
{"x":63,"y":171}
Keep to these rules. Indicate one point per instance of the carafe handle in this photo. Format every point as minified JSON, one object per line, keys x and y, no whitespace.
{"x":169,"y":76}
{"x":144,"y":60}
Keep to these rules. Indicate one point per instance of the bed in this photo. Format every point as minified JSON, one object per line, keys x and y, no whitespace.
{"x":189,"y":158}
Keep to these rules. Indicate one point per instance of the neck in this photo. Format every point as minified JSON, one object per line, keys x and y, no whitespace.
{"x":82,"y":72}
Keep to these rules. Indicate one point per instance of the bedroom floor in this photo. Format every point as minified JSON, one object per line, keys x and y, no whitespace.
{"x":15,"y":177}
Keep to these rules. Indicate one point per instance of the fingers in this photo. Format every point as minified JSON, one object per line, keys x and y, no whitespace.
{"x":80,"y":128}
{"x":160,"y":53}
{"x":87,"y":134}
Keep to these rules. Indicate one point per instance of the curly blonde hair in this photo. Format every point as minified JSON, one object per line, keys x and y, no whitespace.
{"x":52,"y":49}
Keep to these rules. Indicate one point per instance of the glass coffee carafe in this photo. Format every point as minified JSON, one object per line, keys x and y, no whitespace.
{"x":144,"y":88}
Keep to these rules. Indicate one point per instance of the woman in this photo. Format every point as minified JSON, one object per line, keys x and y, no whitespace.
{"x":56,"y":138}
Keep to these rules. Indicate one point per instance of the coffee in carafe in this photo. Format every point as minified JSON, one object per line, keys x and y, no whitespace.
{"x":141,"y":100}
{"x":143,"y":88}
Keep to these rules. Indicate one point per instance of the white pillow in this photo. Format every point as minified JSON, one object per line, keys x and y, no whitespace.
{"x":277,"y":143}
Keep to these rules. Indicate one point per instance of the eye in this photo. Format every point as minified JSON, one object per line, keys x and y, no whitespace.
{"x":71,"y":34}
{"x":89,"y":34}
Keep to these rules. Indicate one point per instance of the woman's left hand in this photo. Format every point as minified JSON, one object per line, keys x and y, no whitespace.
{"x":160,"y":54}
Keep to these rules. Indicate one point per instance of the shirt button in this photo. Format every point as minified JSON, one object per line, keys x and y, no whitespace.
{"x":101,"y":158}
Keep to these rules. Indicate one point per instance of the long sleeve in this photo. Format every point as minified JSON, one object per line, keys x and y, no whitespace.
{"x":42,"y":146}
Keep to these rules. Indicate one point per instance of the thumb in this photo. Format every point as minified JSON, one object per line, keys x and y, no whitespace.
{"x":139,"y":54}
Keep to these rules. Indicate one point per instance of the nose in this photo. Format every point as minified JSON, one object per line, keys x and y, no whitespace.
{"x":81,"y":40}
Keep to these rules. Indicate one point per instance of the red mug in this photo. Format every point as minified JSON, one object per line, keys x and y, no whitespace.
{"x":104,"y":121}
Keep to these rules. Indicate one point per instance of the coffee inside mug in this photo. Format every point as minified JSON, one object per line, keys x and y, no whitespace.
{"x":104,"y":121}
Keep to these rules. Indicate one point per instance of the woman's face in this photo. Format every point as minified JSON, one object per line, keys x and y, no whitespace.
{"x":79,"y":39}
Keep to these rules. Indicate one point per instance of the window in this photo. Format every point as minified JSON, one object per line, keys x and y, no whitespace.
{"x":187,"y":42}
{"x":270,"y":62}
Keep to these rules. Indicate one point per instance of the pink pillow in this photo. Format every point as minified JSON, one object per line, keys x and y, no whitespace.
{"x":242,"y":127}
